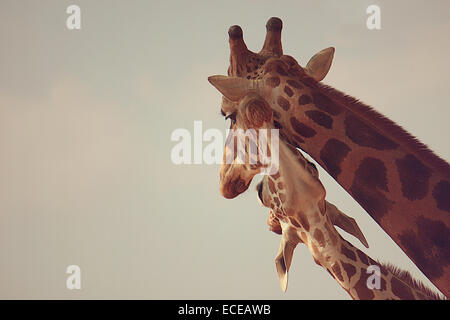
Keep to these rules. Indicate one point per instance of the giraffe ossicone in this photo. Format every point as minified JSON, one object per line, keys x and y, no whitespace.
{"x":402,"y":184}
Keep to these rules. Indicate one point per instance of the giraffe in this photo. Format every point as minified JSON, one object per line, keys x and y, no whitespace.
{"x":300,"y":213}
{"x":399,"y":181}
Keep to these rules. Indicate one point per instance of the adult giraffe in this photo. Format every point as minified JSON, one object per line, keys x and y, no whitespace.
{"x":401,"y":183}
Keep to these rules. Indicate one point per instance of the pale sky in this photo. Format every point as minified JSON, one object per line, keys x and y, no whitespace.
{"x":85,"y":123}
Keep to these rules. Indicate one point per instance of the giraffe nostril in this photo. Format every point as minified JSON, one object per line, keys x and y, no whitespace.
{"x":239,"y":186}
{"x":232,"y":188}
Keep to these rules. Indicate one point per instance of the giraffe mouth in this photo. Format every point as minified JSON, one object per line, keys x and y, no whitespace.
{"x":233,"y":188}
{"x":232,"y":183}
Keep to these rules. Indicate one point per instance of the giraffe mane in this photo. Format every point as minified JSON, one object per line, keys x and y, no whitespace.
{"x":406,"y":277}
{"x":380,"y":121}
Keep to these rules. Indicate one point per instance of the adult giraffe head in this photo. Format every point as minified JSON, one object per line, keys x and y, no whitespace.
{"x":251,"y":146}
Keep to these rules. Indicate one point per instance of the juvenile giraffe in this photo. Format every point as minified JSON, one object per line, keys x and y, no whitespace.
{"x":300,"y":213}
{"x":402,"y":184}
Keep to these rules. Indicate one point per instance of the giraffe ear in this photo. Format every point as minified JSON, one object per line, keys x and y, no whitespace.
{"x":319,"y":65}
{"x":341,"y":220}
{"x":283,"y":262}
{"x":233,"y":88}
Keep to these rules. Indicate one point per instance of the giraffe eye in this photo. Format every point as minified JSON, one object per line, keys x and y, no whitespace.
{"x":231,"y":116}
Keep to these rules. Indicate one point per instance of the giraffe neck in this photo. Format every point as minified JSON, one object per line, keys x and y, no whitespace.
{"x":396,"y":179}
{"x":357,"y":273}
{"x":354,"y":270}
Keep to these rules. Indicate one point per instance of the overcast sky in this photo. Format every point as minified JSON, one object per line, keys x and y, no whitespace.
{"x":85,"y":124}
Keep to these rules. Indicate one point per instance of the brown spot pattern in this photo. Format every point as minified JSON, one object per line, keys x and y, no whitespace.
{"x":366,"y":188}
{"x":401,"y":290}
{"x":429,"y":247}
{"x":375,"y":203}
{"x":349,"y":269}
{"x":324,"y":103}
{"x":298,"y":139}
{"x":414,"y":177}
{"x":441,"y":194}
{"x":277,"y":202}
{"x":257,"y":111}
{"x":321,"y":118}
{"x":332,"y":154}
{"x":364,"y":293}
{"x":318,"y":235}
{"x":348,"y":253}
{"x":281,"y":70}
{"x":372,"y":173}
{"x":283,"y":103}
{"x":304,"y":99}
{"x":273,"y":82}
{"x":303,"y":221}
{"x":276,"y":175}
{"x":364,"y":135}
{"x":362,"y":257}
{"x":271,"y":186}
{"x":271,"y":65}
{"x":302,"y":129}
{"x":289,"y":60}
{"x":337,"y":271}
{"x":294,"y":222}
{"x":382,"y":284}
{"x":288,"y":91}
{"x":294,"y":84}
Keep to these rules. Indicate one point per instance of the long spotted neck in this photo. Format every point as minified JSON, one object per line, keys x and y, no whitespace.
{"x":361,"y":276}
{"x":303,"y":219}
{"x":396,"y":179}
